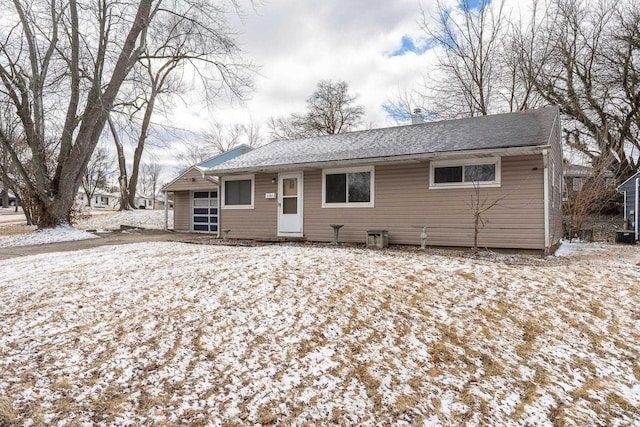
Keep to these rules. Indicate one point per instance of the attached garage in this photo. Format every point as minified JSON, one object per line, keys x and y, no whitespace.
{"x":196,"y":198}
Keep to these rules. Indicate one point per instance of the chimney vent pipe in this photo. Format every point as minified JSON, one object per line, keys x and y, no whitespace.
{"x":416,"y":117}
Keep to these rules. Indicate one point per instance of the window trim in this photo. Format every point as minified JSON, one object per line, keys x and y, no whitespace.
{"x":497,"y":182}
{"x":348,"y":170}
{"x":223,"y":188}
{"x":576,"y":184}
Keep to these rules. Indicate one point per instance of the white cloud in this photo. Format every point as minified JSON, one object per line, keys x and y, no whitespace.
{"x":299,"y":43}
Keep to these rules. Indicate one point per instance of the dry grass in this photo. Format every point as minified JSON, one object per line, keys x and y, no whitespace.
{"x":8,"y":415}
{"x":12,"y":229}
{"x":272,"y":336}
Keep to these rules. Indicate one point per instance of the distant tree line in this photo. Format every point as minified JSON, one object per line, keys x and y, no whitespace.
{"x":582,"y":55}
{"x":67,"y":69}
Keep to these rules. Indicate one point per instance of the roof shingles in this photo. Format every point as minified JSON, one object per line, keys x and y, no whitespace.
{"x":523,"y":129}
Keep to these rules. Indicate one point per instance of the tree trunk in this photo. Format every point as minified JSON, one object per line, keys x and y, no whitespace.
{"x":476,"y":231}
{"x":54,"y":198}
{"x":5,"y":178}
{"x":122,"y":167}
{"x":137,"y":155}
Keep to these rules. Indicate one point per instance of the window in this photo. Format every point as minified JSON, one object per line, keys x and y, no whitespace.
{"x":610,"y":183}
{"x":347,"y":187}
{"x":465,"y":173}
{"x":577,"y":184}
{"x":237,"y":192}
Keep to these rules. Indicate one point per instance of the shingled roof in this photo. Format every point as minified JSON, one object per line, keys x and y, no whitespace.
{"x":531,"y":128}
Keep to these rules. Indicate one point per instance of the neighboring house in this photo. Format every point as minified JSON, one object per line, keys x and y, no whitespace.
{"x":99,"y":199}
{"x":576,"y":176}
{"x":630,"y":189}
{"x":401,"y":179}
{"x":143,"y":202}
{"x":195,"y":196}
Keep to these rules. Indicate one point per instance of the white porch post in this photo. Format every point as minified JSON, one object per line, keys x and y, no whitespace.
{"x":166,"y":211}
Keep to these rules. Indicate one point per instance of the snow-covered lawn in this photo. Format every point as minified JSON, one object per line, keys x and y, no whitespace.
{"x":172,"y":333}
{"x":19,"y":234}
{"x":38,"y":237}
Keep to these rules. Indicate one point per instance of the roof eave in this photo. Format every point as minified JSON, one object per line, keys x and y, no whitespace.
{"x":167,"y":187}
{"x":443,"y":155}
{"x":634,"y":176}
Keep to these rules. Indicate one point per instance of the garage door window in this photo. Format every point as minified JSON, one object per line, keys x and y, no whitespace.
{"x":205,"y":211}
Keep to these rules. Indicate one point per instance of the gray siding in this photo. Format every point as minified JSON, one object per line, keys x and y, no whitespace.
{"x":555,"y":166}
{"x":259,"y":222}
{"x":404,"y":203}
{"x":629,"y":187}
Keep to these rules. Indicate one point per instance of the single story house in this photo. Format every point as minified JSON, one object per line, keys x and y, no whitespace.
{"x":630,"y":189}
{"x":195,"y":196}
{"x":99,"y":199}
{"x":576,"y":176}
{"x":438,"y":176}
{"x":142,"y":201}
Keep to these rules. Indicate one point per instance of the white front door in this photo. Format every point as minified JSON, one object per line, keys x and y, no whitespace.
{"x":290,"y":204}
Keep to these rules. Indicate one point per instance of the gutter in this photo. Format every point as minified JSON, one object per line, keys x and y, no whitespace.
{"x":511,"y":151}
{"x":635,"y":219}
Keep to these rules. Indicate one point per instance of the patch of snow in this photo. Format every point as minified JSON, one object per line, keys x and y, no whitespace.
{"x":64,"y":233}
{"x":576,"y":247}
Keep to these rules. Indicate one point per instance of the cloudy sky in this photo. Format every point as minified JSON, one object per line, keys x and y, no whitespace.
{"x":375,"y":46}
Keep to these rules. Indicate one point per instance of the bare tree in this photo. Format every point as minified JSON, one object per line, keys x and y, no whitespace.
{"x":402,"y":105}
{"x":480,"y":204}
{"x":283,"y":128}
{"x":468,"y":43}
{"x":10,"y":128}
{"x":182,"y":43}
{"x":591,"y":69}
{"x":331,"y":109}
{"x":218,"y":138}
{"x":590,"y":195}
{"x":61,"y":68}
{"x":194,"y":153}
{"x":96,"y":175}
{"x":478,"y":68}
{"x":151,"y":180}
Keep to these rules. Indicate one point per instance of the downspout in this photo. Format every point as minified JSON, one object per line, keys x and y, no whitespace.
{"x":219,"y":210}
{"x":545,"y":159}
{"x":635,"y":216}
{"x":166,"y":211}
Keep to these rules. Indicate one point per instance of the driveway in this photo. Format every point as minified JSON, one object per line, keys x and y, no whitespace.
{"x":105,"y":239}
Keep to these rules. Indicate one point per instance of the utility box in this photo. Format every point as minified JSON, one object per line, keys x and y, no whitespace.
{"x":377,"y":239}
{"x":625,"y":237}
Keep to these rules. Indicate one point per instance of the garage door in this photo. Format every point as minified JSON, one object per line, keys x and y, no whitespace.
{"x":205,"y":211}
